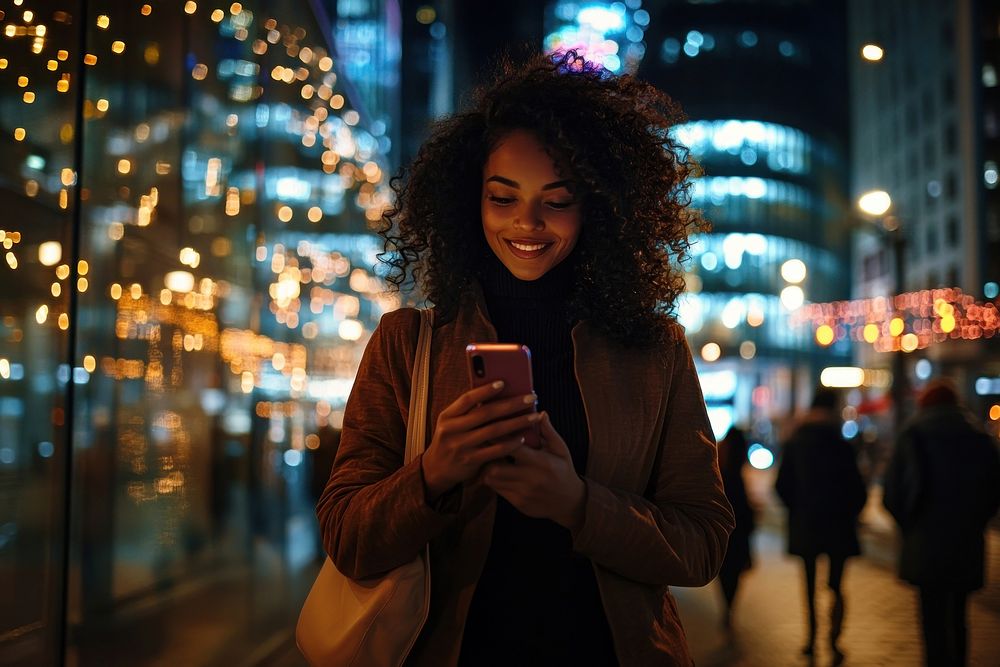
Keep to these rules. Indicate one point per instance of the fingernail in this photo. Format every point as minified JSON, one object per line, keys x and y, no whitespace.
{"x":535,"y":417}
{"x":529,"y":399}
{"x":498,"y":384}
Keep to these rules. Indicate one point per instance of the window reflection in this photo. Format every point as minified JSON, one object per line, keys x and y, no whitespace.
{"x":210,"y":259}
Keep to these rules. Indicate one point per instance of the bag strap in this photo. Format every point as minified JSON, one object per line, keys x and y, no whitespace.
{"x":416,"y":427}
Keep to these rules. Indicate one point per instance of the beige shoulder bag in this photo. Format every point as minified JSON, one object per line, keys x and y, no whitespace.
{"x":374,"y":622}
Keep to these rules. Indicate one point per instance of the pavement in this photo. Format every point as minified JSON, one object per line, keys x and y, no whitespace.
{"x":881,"y":626}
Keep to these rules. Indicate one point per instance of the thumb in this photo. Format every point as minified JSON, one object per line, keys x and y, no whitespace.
{"x":551,"y":439}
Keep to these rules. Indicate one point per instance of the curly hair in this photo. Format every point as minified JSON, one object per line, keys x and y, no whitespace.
{"x":609,"y":134}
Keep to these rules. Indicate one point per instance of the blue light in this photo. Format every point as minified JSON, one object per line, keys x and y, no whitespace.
{"x":696,"y":38}
{"x":46,"y":449}
{"x":293,"y":457}
{"x":709,"y":261}
{"x":641,"y":17}
{"x":849,"y":429}
{"x":991,"y":290}
{"x":748,"y":38}
{"x":923,"y":369}
{"x":601,"y":18}
{"x":36,"y":162}
{"x":690,"y":49}
{"x":760,"y":457}
{"x":438,"y":30}
{"x":786,"y":49}
{"x":709,"y":42}
{"x":634,"y":34}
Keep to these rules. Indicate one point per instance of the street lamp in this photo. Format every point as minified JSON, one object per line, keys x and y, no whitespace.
{"x":877,"y":204}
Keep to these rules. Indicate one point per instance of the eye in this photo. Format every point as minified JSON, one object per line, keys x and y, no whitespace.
{"x":500,"y":201}
{"x":560,"y":205}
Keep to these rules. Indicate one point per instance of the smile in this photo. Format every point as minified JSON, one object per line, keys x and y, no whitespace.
{"x":528,"y":250}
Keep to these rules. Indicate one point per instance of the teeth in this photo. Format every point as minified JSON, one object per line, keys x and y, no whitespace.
{"x":528,"y":248}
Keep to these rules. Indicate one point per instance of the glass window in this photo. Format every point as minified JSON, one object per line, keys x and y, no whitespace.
{"x":191,"y":301}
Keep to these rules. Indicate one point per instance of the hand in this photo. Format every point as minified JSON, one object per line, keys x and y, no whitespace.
{"x":541,"y":483}
{"x":470,"y":433}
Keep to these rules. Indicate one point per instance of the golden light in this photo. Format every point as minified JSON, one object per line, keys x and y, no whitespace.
{"x":948,"y":323}
{"x":135,"y":291}
{"x":89,"y":363}
{"x":5,"y":374}
{"x":42,"y":314}
{"x":179,"y":281}
{"x":871,"y":332}
{"x":748,"y":350}
{"x":896,"y":326}
{"x":792,"y":297}
{"x":842,"y":376}
{"x":146,"y":10}
{"x":82,"y":284}
{"x":62,"y":272}
{"x":19,"y":134}
{"x":49,"y":253}
{"x":875,"y":202}
{"x":190,"y":7}
{"x":118,"y":46}
{"x":711,"y":352}
{"x":116,"y":291}
{"x":350,"y":330}
{"x":872,"y":52}
{"x":63,"y":321}
{"x":67,"y":176}
{"x":56,"y":289}
{"x":246,"y":382}
{"x":824,"y":335}
{"x":284,"y":213}
{"x":909,"y":342}
{"x":82,"y":267}
{"x":995,"y":412}
{"x":124,"y":167}
{"x":218,"y":15}
{"x":315,"y":214}
{"x":793,"y":271}
{"x":103,"y":22}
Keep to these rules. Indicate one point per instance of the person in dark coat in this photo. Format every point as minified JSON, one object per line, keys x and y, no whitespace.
{"x":943,"y":486}
{"x":732,"y":459}
{"x":820,"y":484}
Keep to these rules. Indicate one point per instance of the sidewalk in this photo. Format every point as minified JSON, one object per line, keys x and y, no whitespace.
{"x":881,"y":625}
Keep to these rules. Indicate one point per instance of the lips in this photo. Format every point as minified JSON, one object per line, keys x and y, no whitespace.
{"x":529,"y":247}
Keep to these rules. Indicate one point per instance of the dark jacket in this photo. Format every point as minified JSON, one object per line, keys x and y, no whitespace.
{"x":655,"y":511}
{"x":821,"y":486}
{"x":942,"y":486}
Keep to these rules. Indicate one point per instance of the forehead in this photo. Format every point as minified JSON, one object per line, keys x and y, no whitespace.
{"x":519,"y":155}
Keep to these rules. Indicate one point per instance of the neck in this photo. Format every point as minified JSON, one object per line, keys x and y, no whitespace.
{"x":498,"y":281}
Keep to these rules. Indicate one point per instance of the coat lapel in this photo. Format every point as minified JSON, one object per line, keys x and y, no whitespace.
{"x":623,"y":391}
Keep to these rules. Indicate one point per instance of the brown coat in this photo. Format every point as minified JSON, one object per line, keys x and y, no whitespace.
{"x":655,"y":512}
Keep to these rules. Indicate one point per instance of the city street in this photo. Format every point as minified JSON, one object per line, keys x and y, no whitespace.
{"x":881,"y":623}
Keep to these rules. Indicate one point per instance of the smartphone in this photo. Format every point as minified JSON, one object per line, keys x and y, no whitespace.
{"x":489,"y":362}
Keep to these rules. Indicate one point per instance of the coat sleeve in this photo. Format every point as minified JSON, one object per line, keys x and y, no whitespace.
{"x":373,"y":514}
{"x":785,"y":483}
{"x":677,"y":533}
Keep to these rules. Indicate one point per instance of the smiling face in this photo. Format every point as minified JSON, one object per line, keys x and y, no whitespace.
{"x":531,"y":217}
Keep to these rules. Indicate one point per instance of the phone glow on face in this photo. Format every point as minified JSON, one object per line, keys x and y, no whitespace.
{"x":531,"y":216}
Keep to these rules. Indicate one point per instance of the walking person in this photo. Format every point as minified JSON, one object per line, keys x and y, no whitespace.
{"x":820,"y":484}
{"x":942,"y":486}
{"x":550,"y":214}
{"x":732,"y":460}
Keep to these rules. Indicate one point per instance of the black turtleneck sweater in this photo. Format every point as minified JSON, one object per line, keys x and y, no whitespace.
{"x":537,"y":601}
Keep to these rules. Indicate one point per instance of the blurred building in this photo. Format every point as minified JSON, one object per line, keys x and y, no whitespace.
{"x":925,"y":109}
{"x":186,"y":290}
{"x":764,"y":86}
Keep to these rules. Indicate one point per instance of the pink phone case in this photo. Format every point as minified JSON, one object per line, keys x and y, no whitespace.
{"x":488,"y":362}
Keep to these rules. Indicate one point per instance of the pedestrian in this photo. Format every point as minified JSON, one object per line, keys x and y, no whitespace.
{"x":820,"y":484}
{"x":943,"y":486}
{"x":550,"y":213}
{"x":733,"y":450}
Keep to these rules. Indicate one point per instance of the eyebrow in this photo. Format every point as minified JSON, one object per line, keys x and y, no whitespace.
{"x":515,"y":184}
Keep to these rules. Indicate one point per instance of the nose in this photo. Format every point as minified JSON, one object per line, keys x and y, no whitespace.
{"x":531,"y":220}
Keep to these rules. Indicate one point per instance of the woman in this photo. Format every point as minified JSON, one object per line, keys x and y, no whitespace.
{"x":546,"y":215}
{"x":732,"y":459}
{"x":821,"y":486}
